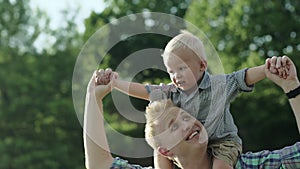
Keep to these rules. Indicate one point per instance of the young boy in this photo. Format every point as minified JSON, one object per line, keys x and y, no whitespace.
{"x":196,"y":91}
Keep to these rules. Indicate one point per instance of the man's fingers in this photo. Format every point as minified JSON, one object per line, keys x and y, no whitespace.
{"x":104,"y":76}
{"x":278,"y":63}
{"x":99,"y":73}
{"x":284,"y":60}
{"x":273,"y":61}
{"x":272,"y":67}
{"x":108,"y":70}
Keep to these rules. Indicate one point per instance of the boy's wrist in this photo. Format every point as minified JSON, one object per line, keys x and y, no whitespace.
{"x":116,"y":84}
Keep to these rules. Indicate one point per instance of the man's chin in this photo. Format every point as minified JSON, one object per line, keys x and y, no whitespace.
{"x":203,"y":138}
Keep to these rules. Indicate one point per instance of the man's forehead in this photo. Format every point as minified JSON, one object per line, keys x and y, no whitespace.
{"x":172,"y":114}
{"x":162,"y":123}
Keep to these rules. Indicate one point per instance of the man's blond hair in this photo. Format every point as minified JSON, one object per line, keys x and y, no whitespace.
{"x":156,"y":111}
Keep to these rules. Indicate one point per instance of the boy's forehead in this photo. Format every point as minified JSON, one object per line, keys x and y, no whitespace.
{"x":182,"y":54}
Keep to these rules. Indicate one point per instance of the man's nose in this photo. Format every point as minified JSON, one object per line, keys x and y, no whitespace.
{"x":186,"y":126}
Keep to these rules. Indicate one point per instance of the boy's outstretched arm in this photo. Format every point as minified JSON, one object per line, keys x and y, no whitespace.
{"x":133,"y":89}
{"x":255,"y":74}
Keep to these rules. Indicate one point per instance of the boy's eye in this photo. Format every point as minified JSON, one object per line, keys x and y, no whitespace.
{"x":182,"y":68}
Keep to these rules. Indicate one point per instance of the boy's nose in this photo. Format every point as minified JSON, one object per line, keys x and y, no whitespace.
{"x":177,"y":75}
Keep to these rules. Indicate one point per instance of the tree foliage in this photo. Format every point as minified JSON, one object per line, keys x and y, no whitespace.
{"x":38,"y":124}
{"x":39,"y":128}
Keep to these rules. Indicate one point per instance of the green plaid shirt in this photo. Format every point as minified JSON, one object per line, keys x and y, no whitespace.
{"x":286,"y":158}
{"x":123,"y":164}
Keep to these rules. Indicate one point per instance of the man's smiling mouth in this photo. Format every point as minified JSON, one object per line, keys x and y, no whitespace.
{"x":193,"y":134}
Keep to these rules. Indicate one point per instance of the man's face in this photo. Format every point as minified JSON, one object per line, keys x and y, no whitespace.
{"x":183,"y":68}
{"x":181,"y":132}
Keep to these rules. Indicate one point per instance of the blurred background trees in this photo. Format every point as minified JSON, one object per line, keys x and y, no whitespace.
{"x":39,"y":127}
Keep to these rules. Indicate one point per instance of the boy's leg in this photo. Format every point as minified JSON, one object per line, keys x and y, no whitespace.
{"x":225,"y":152}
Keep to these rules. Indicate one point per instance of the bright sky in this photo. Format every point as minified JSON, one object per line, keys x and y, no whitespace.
{"x":54,"y":9}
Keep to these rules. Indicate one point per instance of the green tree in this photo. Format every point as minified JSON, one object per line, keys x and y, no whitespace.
{"x":38,"y":125}
{"x":245,"y":33}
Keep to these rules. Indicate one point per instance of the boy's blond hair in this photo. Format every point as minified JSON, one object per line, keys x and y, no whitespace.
{"x":155,"y":112}
{"x":186,"y":40}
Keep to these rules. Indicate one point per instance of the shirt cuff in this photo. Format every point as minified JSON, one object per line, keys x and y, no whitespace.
{"x":241,"y":78}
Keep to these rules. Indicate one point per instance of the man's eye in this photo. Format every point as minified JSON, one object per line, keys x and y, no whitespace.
{"x":174,"y":127}
{"x":186,"y":118}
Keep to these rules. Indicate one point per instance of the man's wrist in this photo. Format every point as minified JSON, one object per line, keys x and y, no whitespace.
{"x":293,"y":90}
{"x":290,"y":85}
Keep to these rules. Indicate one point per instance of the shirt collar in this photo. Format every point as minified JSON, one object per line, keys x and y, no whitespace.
{"x":205,"y":82}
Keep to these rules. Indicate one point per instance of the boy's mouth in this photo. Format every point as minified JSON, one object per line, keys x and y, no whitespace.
{"x":180,"y":83}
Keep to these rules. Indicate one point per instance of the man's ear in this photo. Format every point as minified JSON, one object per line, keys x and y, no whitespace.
{"x":165,"y":152}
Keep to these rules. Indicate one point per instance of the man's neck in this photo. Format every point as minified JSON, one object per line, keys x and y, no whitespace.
{"x":195,"y":162}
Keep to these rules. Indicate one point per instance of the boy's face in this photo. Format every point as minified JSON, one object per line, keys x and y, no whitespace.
{"x":184,"y":68}
{"x":181,"y":133}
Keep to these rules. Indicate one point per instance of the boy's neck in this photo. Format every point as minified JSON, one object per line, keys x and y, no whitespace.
{"x":200,"y":79}
{"x":190,"y":91}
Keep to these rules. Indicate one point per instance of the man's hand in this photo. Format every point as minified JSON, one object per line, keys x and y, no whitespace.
{"x":104,"y":77}
{"x":101,"y":87}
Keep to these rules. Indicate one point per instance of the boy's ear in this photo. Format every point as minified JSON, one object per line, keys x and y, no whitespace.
{"x":165,"y":152}
{"x":203,"y":65}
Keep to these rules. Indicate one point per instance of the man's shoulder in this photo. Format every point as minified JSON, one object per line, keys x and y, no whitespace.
{"x":288,"y":156}
{"x":119,"y":163}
